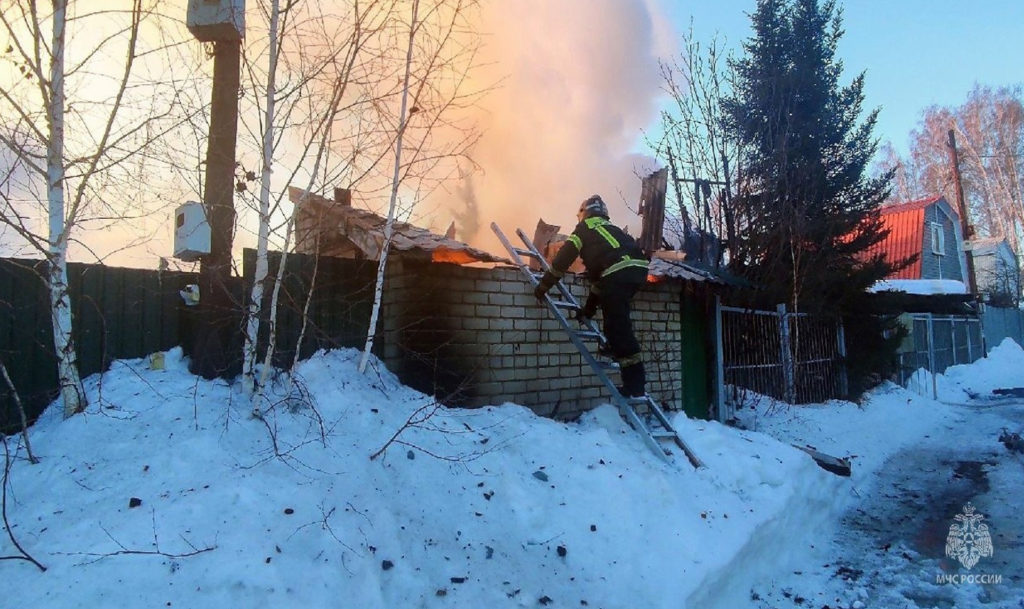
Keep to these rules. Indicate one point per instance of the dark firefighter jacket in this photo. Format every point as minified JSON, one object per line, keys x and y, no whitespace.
{"x":607,"y":252}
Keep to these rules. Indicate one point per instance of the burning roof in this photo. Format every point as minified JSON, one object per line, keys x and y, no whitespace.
{"x":670,"y":264}
{"x":333,"y":227}
{"x":665,"y":264}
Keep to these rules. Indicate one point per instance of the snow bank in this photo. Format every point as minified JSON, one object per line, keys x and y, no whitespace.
{"x":489,"y":507}
{"x":920,"y":286}
{"x":1002,"y":368}
{"x":888,"y":418}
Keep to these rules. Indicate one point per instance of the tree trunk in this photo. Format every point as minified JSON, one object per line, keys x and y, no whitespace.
{"x":389,"y":226}
{"x":252,"y":325}
{"x":71,"y":388}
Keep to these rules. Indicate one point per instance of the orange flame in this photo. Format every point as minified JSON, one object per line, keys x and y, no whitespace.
{"x":443,"y":254}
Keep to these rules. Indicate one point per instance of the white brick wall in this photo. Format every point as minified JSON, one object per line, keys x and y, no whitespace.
{"x":480,"y":331}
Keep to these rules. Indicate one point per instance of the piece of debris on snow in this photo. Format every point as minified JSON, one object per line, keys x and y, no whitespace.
{"x":1012,"y":441}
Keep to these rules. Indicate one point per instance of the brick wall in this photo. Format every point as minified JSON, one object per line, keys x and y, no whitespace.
{"x":474,"y":337}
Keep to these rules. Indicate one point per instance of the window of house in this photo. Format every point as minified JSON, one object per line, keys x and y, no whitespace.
{"x":938,"y":239}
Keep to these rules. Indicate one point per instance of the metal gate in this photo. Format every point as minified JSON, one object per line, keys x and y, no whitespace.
{"x":794,"y":357}
{"x":936,"y":342}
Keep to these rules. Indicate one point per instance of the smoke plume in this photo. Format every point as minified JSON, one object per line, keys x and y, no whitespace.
{"x":578,"y":81}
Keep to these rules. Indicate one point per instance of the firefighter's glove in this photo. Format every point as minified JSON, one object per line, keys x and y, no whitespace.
{"x":581,"y":316}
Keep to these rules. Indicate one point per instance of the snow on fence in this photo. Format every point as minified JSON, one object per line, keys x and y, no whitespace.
{"x":934,"y":343}
{"x":794,"y":357}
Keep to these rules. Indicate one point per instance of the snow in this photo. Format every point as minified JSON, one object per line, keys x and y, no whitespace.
{"x":493,"y":507}
{"x":960,"y":384}
{"x":920,"y":286}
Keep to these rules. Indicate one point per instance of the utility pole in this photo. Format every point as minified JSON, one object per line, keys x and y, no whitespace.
{"x":965,"y":224}
{"x":220,"y":22}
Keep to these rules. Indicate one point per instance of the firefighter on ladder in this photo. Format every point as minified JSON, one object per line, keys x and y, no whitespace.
{"x":616,"y":268}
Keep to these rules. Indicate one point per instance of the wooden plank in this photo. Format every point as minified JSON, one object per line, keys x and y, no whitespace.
{"x":19,"y":351}
{"x":112,"y":307}
{"x":172,"y":308}
{"x":151,"y":322}
{"x":90,"y":321}
{"x":835,"y":465}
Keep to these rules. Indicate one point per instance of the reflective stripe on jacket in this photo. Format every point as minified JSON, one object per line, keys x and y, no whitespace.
{"x":604,"y":247}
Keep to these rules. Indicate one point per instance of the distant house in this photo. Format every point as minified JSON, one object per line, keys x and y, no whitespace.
{"x":929,"y":228}
{"x":996,"y":270}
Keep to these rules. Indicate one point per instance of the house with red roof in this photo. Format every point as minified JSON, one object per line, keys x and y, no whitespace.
{"x":929,"y":228}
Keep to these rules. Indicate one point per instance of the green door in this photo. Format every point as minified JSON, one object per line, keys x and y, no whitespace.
{"x":694,"y":326}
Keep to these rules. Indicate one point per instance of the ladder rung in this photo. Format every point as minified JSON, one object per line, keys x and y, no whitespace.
{"x":565,"y":304}
{"x":638,"y":401}
{"x":663,"y":434}
{"x":523,"y":252}
{"x":586,"y":333}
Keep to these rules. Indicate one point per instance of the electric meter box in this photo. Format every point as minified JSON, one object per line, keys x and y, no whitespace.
{"x":191,"y":232}
{"x":213,"y":20}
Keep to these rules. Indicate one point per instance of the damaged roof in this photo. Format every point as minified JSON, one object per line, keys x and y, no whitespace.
{"x":668,"y":267}
{"x":362,"y":232}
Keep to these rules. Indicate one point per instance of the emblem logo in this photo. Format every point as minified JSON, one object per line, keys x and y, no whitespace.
{"x":968,"y":540}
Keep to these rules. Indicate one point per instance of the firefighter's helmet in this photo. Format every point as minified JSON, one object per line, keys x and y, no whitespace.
{"x":593,"y":206}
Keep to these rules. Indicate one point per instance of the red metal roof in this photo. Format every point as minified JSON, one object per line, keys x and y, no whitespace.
{"x":905,"y":223}
{"x":910,"y":205}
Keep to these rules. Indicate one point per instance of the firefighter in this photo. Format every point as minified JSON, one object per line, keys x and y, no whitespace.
{"x":616,"y":268}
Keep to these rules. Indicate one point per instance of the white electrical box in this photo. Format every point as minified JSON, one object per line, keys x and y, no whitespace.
{"x":191,"y":232}
{"x":213,"y":20}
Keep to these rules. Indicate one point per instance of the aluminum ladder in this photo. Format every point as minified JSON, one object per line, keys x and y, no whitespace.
{"x":655,"y":429}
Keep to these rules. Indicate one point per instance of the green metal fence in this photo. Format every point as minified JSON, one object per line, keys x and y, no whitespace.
{"x":117,"y":313}
{"x":122,"y":313}
{"x":340,"y":294}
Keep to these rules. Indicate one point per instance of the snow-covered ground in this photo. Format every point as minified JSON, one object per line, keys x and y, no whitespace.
{"x":889,"y":549}
{"x":168,"y":493}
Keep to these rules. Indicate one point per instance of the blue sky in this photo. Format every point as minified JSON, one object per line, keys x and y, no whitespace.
{"x":915,"y":53}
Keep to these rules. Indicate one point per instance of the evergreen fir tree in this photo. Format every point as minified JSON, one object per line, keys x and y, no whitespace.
{"x":806,"y":208}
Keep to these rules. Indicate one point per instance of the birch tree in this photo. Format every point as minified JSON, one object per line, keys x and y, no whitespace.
{"x":55,"y":169}
{"x":389,"y":226}
{"x":331,"y":122}
{"x":333,"y":71}
{"x":434,"y":54}
{"x":693,"y":142}
{"x":256,"y":296}
{"x":989,"y":128}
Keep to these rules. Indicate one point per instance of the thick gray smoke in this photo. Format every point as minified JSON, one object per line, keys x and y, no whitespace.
{"x":579,"y":82}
